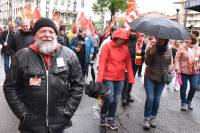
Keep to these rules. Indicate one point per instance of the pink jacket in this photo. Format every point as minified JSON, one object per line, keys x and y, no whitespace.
{"x":182,"y":61}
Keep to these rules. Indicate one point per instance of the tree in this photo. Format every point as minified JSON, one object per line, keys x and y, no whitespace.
{"x":114,"y":6}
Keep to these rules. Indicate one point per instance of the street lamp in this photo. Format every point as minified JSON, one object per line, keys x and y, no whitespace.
{"x":47,"y":8}
{"x":75,"y":4}
{"x":177,"y":18}
{"x":68,"y":4}
{"x":178,"y":6}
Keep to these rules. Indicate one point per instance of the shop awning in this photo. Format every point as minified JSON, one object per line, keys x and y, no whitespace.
{"x":193,"y":5}
{"x":195,"y":8}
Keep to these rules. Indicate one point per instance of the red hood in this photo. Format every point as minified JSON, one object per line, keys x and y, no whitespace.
{"x":120,"y":33}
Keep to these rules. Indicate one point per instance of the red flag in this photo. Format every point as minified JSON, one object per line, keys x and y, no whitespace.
{"x":82,"y":20}
{"x":131,"y":6}
{"x":36,"y":14}
{"x":90,"y":27}
{"x":27,"y":11}
{"x":132,"y":13}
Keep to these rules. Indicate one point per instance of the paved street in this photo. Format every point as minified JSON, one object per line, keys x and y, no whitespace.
{"x":170,"y":118}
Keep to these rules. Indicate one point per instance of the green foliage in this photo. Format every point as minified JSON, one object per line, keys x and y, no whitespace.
{"x":114,"y":6}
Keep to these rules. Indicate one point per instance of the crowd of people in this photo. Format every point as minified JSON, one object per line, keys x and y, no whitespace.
{"x":45,"y":69}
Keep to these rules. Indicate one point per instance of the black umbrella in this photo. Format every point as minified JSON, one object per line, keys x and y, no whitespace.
{"x":159,"y":27}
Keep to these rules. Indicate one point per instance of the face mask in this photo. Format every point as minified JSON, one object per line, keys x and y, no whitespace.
{"x":161,"y":49}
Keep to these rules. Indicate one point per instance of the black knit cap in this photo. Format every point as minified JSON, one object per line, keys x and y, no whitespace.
{"x":44,"y":22}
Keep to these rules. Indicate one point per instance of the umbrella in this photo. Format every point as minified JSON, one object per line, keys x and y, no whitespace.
{"x":159,"y":27}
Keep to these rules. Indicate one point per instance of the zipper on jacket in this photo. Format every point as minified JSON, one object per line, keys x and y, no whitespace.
{"x":47,"y":108}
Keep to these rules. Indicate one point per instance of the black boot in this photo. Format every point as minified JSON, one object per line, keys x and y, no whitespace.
{"x":129,"y":99}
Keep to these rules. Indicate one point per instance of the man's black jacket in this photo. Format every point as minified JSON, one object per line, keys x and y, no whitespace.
{"x":49,"y":105}
{"x":22,"y":40}
{"x":8,"y":49}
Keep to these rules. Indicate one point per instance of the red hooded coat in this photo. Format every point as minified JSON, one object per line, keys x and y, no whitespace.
{"x":115,"y":60}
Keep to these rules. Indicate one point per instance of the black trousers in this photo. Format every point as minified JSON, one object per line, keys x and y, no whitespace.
{"x":126,"y":92}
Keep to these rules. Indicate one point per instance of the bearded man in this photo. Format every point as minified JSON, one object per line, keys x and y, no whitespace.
{"x":45,"y":85}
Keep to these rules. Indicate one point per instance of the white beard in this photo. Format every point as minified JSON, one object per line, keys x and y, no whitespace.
{"x":46,"y":48}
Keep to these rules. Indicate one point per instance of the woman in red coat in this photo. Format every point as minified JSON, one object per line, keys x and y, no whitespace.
{"x":114,"y":60}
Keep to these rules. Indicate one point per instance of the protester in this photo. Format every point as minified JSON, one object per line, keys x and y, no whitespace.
{"x":45,"y":84}
{"x":136,"y":47}
{"x":23,"y":37}
{"x":7,"y":39}
{"x":64,"y":36}
{"x":187,"y":65}
{"x":113,"y":61}
{"x":60,"y":39}
{"x":1,"y":31}
{"x":141,"y":41}
{"x":105,"y":41}
{"x":83,"y":45}
{"x":176,"y":45}
{"x":157,"y":58}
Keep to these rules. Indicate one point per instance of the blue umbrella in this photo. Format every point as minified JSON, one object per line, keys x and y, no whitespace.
{"x":159,"y":27}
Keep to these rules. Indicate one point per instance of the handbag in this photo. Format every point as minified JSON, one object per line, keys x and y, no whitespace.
{"x":166,"y":76}
{"x":94,"y":90}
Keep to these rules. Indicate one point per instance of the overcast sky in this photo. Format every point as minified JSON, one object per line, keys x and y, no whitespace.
{"x":164,"y":6}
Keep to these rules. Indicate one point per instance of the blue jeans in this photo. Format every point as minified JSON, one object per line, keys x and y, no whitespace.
{"x":111,"y":100}
{"x":193,"y":79}
{"x":153,"y":92}
{"x":199,"y":81}
{"x":6,"y":62}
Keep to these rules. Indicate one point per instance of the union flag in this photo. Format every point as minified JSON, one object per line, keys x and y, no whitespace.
{"x":27,"y":11}
{"x":90,"y":27}
{"x":36,"y":14}
{"x":82,"y":20}
{"x":132,"y":13}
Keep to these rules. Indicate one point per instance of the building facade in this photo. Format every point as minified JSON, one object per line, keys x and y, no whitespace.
{"x":189,"y":18}
{"x":68,"y":9}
